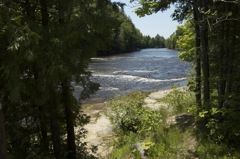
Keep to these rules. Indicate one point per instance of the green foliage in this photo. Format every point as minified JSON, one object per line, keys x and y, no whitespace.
{"x":124,"y":147}
{"x":171,"y":42}
{"x":153,"y":42}
{"x":172,"y":142}
{"x":150,"y":7}
{"x":125,"y":37}
{"x":128,"y":115}
{"x":44,"y":47}
{"x":160,"y":142}
{"x":214,"y":40}
{"x":186,"y":42}
{"x":182,"y":100}
{"x":168,"y":145}
{"x":210,"y":150}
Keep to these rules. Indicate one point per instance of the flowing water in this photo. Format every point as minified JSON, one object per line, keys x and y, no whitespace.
{"x":145,"y":70}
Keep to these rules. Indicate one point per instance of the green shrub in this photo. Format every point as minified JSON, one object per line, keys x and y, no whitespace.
{"x":211,"y":150}
{"x":128,"y":115}
{"x":181,"y":100}
{"x":168,"y":144}
{"x":124,"y":147}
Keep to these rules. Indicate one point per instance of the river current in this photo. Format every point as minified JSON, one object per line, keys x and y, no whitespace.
{"x":145,"y":70}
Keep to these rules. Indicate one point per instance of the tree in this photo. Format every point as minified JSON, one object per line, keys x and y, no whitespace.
{"x":171,"y":41}
{"x":186,"y":42}
{"x":159,"y":41}
{"x":216,"y":32}
{"x":3,"y":148}
{"x":124,"y":37}
{"x":44,"y":47}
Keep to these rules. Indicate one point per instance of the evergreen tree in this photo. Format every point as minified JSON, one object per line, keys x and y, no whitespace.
{"x":45,"y":46}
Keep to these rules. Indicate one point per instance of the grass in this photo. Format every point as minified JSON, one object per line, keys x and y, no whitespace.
{"x":165,"y":133}
{"x":158,"y":140}
{"x":123,"y":148}
{"x":161,"y":139}
{"x":181,"y":100}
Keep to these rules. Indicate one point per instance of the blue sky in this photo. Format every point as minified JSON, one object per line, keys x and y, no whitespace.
{"x":160,"y":23}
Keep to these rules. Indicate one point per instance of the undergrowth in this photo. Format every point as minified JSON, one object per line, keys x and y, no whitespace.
{"x":142,"y":132}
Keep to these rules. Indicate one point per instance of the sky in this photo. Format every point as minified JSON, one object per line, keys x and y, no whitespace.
{"x":160,"y":23}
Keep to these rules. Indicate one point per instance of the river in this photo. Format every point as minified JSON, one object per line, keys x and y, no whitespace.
{"x":145,"y":70}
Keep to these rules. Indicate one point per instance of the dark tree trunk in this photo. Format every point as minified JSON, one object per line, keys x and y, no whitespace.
{"x":205,"y":64}
{"x":43,"y":128}
{"x":66,"y":92}
{"x":44,"y":13}
{"x":53,"y":111}
{"x":3,"y":148}
{"x":198,"y":95}
{"x":232,"y":84}
{"x":66,"y":7}
{"x":221,"y":68}
{"x":44,"y":141}
{"x":198,"y":70}
{"x":232,"y":53}
{"x":205,"y":57}
{"x":56,"y":140}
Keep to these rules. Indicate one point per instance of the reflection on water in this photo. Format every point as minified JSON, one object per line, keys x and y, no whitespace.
{"x":146,"y":70}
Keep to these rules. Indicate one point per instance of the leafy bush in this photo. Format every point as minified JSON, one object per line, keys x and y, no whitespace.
{"x":181,"y":100}
{"x":128,"y":115}
{"x":211,"y":150}
{"x":124,"y":147}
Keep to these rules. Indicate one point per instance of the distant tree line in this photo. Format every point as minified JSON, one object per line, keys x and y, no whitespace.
{"x":125,"y":37}
{"x":171,"y":42}
{"x":154,"y":42}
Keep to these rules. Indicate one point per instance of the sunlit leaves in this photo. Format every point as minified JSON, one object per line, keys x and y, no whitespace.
{"x":186,"y":42}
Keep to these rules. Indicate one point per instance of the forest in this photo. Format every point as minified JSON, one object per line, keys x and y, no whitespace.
{"x":45,"y":46}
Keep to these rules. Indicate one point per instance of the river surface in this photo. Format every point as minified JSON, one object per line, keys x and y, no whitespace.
{"x":145,"y":70}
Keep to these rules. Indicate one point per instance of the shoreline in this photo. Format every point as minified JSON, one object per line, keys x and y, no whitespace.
{"x":98,"y":100}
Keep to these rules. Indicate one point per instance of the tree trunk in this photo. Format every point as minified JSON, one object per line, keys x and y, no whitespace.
{"x":53,"y":114}
{"x":3,"y":148}
{"x":198,"y":94}
{"x":66,"y":92}
{"x":44,"y":13}
{"x":44,"y":141}
{"x":198,"y":69}
{"x":232,"y":52}
{"x":43,"y":127}
{"x":66,"y":7}
{"x":205,"y":59}
{"x":57,"y":148}
{"x":222,"y":65}
{"x":205,"y":64}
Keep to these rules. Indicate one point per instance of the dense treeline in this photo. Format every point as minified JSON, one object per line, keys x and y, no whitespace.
{"x":125,"y":37}
{"x":154,"y":42}
{"x":210,"y":38}
{"x":171,"y":42}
